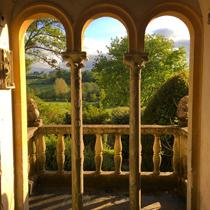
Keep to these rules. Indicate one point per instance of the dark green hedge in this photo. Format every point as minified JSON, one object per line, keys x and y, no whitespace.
{"x":163,"y":106}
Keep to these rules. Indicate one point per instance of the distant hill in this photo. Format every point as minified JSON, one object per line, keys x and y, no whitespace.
{"x":40,"y":67}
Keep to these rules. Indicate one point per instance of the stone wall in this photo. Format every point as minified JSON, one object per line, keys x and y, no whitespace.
{"x":6,"y":140}
{"x":204,"y":172}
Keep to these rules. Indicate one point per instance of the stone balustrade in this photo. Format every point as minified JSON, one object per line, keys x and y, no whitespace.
{"x":37,"y":145}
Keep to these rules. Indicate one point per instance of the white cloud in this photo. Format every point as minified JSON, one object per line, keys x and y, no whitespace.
{"x":180,"y":30}
{"x":91,"y":45}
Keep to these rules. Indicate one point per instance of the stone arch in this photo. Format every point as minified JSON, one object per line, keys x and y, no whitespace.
{"x":19,"y":24}
{"x":110,"y":10}
{"x":195,"y":26}
{"x":40,"y":10}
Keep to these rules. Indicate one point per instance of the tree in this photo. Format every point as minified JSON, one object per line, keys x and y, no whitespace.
{"x":44,"y":41}
{"x":164,"y":62}
{"x":112,"y":75}
{"x":60,"y":87}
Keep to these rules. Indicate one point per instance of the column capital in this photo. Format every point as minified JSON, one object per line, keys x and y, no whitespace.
{"x":135,"y":58}
{"x":74,"y":57}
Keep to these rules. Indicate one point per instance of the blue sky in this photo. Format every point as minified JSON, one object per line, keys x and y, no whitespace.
{"x":100,"y":31}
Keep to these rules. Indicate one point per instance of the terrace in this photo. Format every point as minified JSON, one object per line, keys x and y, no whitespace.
{"x":107,"y":189}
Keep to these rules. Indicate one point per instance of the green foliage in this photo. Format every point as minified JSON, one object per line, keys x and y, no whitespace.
{"x":120,"y":115}
{"x":51,"y":142}
{"x":108,"y":159}
{"x":90,"y":93}
{"x":45,"y":40}
{"x":87,"y":76}
{"x":164,"y":62}
{"x":43,"y":85}
{"x":67,"y":163}
{"x":64,"y":74}
{"x":163,"y":106}
{"x":53,"y":112}
{"x":94,"y":115}
{"x":112,"y":76}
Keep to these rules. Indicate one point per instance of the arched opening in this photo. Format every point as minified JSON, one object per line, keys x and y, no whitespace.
{"x":19,"y":25}
{"x":165,"y":79}
{"x":48,"y":89}
{"x":106,"y":10}
{"x":18,"y":28}
{"x":191,"y":23}
{"x":114,"y":65}
{"x":107,"y":92}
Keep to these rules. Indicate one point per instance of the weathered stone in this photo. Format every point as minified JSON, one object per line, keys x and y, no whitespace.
{"x":135,"y":61}
{"x":182,"y":111}
{"x":33,"y":113}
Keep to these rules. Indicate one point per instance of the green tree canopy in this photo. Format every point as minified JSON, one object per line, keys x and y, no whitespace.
{"x":164,"y":62}
{"x":112,"y":75}
{"x":44,"y":41}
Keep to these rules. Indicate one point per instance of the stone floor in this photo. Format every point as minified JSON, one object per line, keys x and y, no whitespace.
{"x":57,"y":201}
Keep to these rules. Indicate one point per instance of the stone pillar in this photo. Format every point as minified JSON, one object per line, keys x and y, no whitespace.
{"x":135,"y":60}
{"x":75,"y":61}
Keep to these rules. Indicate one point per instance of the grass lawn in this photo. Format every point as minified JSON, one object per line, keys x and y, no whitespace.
{"x":53,"y":112}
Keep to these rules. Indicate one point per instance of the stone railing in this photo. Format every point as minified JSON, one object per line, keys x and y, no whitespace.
{"x":37,"y":147}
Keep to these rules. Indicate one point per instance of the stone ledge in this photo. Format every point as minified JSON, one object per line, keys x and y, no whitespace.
{"x":106,"y":181}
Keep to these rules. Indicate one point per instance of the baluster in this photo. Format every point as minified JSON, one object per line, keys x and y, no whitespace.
{"x":41,"y":154}
{"x":140,"y":154}
{"x":176,"y":157}
{"x":185,"y":138}
{"x":29,"y":156}
{"x":60,"y":153}
{"x":156,"y":155}
{"x":98,"y":153}
{"x":33,"y":157}
{"x":118,"y":153}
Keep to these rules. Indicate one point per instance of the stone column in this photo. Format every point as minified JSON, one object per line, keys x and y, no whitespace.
{"x":135,"y":60}
{"x":75,"y":61}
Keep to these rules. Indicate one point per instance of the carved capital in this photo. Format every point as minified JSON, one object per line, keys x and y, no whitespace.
{"x":6,"y":71}
{"x":74,"y":58}
{"x":135,"y":59}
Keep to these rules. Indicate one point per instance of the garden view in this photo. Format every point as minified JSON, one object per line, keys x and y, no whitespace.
{"x":164,"y":81}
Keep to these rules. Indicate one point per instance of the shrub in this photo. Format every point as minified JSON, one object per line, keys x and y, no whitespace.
{"x":53,"y":112}
{"x":120,"y":115}
{"x":162,"y":108}
{"x":94,"y":115}
{"x":51,"y":141}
